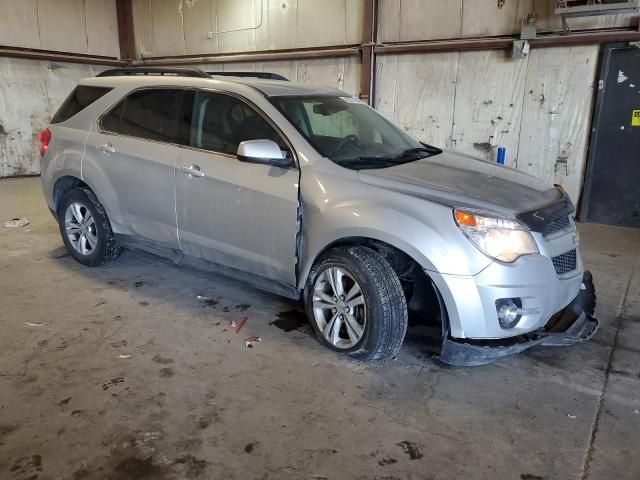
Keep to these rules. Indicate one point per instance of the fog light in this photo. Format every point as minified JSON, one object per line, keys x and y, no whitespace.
{"x":508,"y":310}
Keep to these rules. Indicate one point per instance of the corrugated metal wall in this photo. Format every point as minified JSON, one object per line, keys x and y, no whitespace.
{"x":77,"y":26}
{"x":180,"y":27}
{"x":472,"y":102}
{"x":31,"y":90}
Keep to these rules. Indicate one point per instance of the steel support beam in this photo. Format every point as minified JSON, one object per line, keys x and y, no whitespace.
{"x":53,"y":56}
{"x":369,"y":39}
{"x":125,"y":29}
{"x":550,"y":40}
{"x":338,"y":51}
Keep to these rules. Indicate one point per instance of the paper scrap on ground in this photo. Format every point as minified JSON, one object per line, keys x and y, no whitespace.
{"x":251,"y":341}
{"x":124,"y":356}
{"x":16,"y":223}
{"x":31,"y":324}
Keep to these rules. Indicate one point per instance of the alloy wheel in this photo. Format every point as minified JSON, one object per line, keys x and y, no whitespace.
{"x":339,"y":308}
{"x":80,"y":228}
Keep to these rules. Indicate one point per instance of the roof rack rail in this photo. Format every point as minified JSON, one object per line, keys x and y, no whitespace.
{"x":159,"y":71}
{"x":262,"y":75}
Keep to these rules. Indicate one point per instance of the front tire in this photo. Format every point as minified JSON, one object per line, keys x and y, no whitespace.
{"x":85,"y":228}
{"x":356,"y":305}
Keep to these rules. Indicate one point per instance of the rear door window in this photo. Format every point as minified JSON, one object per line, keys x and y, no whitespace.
{"x":80,"y":98}
{"x":152,"y":114}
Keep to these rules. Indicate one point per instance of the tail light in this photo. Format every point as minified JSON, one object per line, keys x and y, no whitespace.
{"x":45,"y":137}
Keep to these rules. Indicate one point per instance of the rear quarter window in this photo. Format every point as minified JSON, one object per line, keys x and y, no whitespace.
{"x":80,"y":98}
{"x":157,"y":114}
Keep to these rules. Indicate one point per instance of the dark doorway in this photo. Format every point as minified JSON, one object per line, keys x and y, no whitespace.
{"x":612,"y":184}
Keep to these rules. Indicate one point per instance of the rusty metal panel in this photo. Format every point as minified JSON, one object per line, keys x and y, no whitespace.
{"x":557,"y":115}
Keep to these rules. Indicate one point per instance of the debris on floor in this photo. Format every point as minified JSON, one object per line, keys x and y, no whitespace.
{"x":31,"y":324}
{"x":16,"y":223}
{"x":207,"y":301}
{"x":251,"y":341}
{"x":241,"y":324}
{"x":124,"y":356}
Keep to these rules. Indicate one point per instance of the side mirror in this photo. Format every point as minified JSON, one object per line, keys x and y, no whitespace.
{"x":264,"y":152}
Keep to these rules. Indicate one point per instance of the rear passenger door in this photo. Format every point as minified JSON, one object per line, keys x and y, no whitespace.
{"x":131,"y":158}
{"x":236,"y":214}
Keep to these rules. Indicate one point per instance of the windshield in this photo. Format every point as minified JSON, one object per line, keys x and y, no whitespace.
{"x":350,"y":133}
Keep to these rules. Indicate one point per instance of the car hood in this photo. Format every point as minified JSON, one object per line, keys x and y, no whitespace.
{"x":464,"y":181}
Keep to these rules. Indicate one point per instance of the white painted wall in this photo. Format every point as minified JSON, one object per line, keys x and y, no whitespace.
{"x":77,"y":26}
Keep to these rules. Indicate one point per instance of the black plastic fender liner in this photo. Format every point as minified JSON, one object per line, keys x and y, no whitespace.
{"x":577,"y":319}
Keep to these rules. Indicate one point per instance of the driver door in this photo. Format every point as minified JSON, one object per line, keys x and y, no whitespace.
{"x":235,"y":214}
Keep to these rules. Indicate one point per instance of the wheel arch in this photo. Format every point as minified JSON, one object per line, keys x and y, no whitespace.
{"x":63,"y":185}
{"x":402,"y":262}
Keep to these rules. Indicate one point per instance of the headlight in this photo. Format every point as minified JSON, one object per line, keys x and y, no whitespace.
{"x":497,"y":237}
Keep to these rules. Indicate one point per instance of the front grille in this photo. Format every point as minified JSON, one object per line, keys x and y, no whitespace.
{"x":565,"y":263}
{"x":559,"y":225}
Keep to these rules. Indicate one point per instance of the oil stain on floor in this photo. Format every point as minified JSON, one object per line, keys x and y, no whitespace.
{"x":291,"y":320}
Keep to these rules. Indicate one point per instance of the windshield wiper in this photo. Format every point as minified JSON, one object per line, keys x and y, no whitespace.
{"x":368,"y":162}
{"x":414,"y":153}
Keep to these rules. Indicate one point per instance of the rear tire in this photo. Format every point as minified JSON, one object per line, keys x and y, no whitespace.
{"x":381,"y":317}
{"x":85,"y":228}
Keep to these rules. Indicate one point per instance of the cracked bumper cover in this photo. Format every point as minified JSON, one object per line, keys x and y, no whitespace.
{"x":574,"y":324}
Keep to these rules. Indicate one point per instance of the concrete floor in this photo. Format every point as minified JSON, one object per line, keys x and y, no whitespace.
{"x":122,"y":373}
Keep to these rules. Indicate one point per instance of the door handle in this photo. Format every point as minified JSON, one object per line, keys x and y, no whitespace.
{"x":193,"y":171}
{"x":107,"y":148}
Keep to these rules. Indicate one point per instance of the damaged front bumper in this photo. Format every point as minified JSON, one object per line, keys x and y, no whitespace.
{"x":574,"y":324}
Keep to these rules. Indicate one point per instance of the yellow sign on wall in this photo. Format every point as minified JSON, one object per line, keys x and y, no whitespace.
{"x":635,"y":121}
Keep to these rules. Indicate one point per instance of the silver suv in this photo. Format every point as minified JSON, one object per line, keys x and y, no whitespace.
{"x":309,"y":193}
